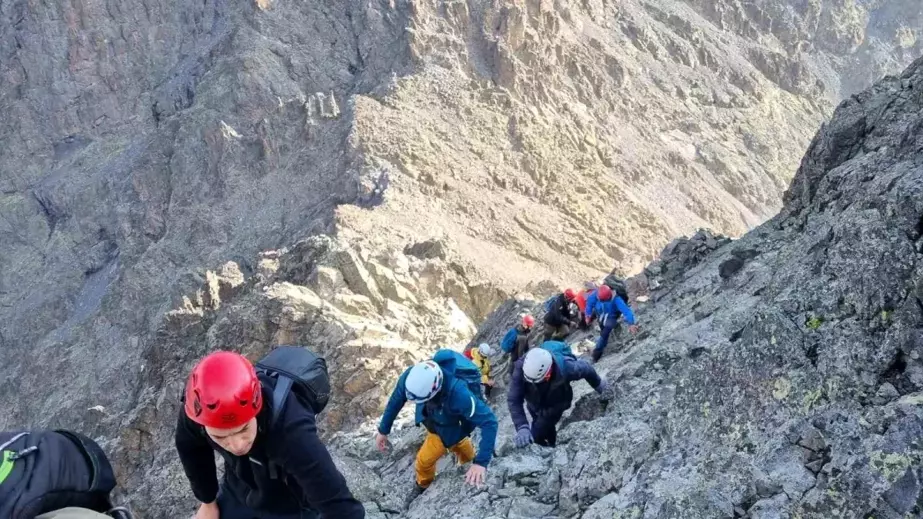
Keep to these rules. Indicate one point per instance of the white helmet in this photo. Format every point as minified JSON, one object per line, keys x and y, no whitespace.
{"x":536,"y":365}
{"x":484,"y":349}
{"x":423,"y":381}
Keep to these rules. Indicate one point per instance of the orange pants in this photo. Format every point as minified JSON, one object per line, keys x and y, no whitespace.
{"x":433,"y":449}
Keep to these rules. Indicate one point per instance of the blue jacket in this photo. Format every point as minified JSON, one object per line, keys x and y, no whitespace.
{"x":453,"y":413}
{"x":554,"y":396}
{"x":605,"y":310}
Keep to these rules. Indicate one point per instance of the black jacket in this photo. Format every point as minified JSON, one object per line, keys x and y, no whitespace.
{"x":308,"y":475}
{"x":560,"y":312}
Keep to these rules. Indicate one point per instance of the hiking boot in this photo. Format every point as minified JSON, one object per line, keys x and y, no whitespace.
{"x":597,"y":354}
{"x":414,"y":493}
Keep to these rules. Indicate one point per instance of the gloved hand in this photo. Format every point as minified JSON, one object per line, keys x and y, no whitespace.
{"x":523,"y":437}
{"x":605,"y":391}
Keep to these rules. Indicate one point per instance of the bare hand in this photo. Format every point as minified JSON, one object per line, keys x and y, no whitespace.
{"x":208,"y":511}
{"x":490,"y":383}
{"x":633,"y":328}
{"x":381,"y":441}
{"x":475,"y":475}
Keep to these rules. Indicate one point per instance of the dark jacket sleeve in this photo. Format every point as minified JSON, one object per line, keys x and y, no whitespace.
{"x":516,"y":396}
{"x":305,"y":458}
{"x":198,"y":459}
{"x":581,"y":369}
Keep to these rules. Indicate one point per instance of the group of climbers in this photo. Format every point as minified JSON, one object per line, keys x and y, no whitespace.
{"x":261,"y":418}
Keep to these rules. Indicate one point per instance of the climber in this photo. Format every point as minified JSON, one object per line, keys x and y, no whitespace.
{"x":279,"y":470}
{"x":480,"y":358}
{"x":589,"y":288}
{"x":607,"y":307}
{"x":446,"y":391}
{"x":516,"y":341}
{"x":543,"y":380}
{"x":560,"y":317}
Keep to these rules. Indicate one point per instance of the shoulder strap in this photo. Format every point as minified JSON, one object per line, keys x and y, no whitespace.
{"x":279,"y":394}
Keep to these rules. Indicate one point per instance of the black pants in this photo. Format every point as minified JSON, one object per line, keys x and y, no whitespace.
{"x":231,"y":508}
{"x":487,"y":389}
{"x":545,"y":427}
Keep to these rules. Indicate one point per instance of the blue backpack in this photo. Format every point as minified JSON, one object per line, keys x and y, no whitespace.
{"x":559,"y":349}
{"x":467,"y":372}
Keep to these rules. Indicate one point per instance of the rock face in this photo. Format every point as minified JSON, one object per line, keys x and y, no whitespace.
{"x":776,"y":376}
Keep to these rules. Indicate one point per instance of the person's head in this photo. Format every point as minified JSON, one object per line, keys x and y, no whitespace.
{"x":484,"y":349}
{"x":528,"y":322}
{"x":570,"y":294}
{"x":604,"y":293}
{"x":536,"y":367}
{"x":423,"y":382}
{"x":223,"y":395}
{"x":590,"y":286}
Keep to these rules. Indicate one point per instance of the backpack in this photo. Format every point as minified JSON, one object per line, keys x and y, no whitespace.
{"x":44,"y":471}
{"x":617,"y":285}
{"x":559,"y":349}
{"x":469,"y":374}
{"x":295,"y":370}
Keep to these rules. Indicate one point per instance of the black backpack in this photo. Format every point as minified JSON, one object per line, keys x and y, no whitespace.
{"x":617,"y":285}
{"x":297,"y":370}
{"x":43,"y":471}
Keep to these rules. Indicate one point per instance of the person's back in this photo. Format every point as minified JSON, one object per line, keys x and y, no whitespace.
{"x":279,"y":468}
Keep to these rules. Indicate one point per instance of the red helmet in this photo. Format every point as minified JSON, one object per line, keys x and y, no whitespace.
{"x":223,"y":391}
{"x":604,"y":293}
{"x":570,"y":294}
{"x":528,"y":321}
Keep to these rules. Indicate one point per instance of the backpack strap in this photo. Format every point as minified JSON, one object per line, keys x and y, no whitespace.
{"x":279,"y":395}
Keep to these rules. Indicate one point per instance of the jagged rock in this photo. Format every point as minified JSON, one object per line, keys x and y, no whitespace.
{"x":429,"y":249}
{"x":357,"y":277}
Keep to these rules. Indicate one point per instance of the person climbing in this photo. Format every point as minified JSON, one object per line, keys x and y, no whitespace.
{"x":589,"y":288}
{"x":55,"y":474}
{"x":542,"y":379}
{"x":275,"y":465}
{"x":448,"y":403}
{"x":607,"y":307}
{"x":560,"y":316}
{"x":516,"y":340}
{"x":480,"y":358}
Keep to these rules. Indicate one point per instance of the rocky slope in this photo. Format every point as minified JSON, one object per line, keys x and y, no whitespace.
{"x":778,"y":375}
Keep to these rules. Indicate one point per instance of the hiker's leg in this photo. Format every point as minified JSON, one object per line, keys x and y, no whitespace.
{"x":549,"y":332}
{"x":463,"y":450}
{"x":544,"y":429}
{"x":427,"y":457}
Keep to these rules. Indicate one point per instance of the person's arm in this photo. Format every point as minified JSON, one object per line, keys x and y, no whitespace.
{"x":478,"y":413}
{"x":301,"y":454}
{"x":591,"y":306}
{"x":581,"y":369}
{"x":516,"y":396}
{"x":395,"y":404}
{"x":198,"y":459}
{"x":625,"y":309}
